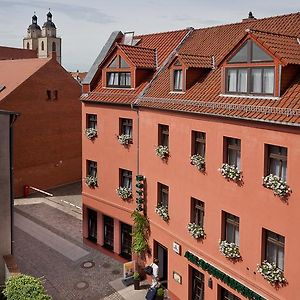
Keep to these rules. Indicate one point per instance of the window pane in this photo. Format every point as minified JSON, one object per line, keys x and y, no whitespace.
{"x":231,"y":80}
{"x":128,"y":79}
{"x":123,"y":63}
{"x":256,"y":80}
{"x":241,"y":56}
{"x":113,"y":79}
{"x":242,"y":80}
{"x":268,"y":81}
{"x":259,"y":55}
{"x":114,"y":63}
{"x":178,"y":80}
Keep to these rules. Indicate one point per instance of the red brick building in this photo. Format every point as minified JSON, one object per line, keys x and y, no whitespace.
{"x":47,"y":136}
{"x":212,"y":122}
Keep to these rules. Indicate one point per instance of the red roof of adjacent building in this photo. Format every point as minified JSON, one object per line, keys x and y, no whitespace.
{"x":14,"y":72}
{"x":16,"y":53}
{"x":277,"y":34}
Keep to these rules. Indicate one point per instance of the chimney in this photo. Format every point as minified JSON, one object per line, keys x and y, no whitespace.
{"x":250,"y":17}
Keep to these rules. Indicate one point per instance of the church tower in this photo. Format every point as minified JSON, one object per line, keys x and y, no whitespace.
{"x":33,"y":33}
{"x":45,"y":40}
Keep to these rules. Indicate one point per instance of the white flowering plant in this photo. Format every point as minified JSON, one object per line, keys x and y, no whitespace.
{"x":196,"y":231}
{"x":198,"y":161}
{"x":91,"y":180}
{"x":163,"y":212}
{"x":271,"y":272}
{"x":278,"y":185}
{"x":124,"y":139}
{"x":162,"y":151}
{"x":91,"y":133}
{"x":124,"y":192}
{"x":231,"y":172}
{"x":230,"y":250}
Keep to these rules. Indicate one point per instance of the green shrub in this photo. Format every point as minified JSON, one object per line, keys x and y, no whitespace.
{"x":140,"y":233}
{"x":24,"y":287}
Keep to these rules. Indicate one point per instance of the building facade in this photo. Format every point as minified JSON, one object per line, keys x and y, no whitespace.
{"x":6,"y":193}
{"x":213,"y":127}
{"x":44,"y":41}
{"x":47,"y":142}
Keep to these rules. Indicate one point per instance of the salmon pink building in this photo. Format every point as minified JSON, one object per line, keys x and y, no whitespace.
{"x":205,"y":122}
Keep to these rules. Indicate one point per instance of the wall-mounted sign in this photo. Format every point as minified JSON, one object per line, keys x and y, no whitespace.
{"x":177,"y":277}
{"x":176,"y":248}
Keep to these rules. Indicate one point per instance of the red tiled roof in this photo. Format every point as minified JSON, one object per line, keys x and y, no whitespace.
{"x":285,"y":47}
{"x":163,"y":43}
{"x":16,"y":53}
{"x":205,"y":95}
{"x":139,"y":56}
{"x":196,"y":61}
{"x":15,"y":72}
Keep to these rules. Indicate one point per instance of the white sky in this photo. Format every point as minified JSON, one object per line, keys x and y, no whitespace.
{"x":84,"y":26}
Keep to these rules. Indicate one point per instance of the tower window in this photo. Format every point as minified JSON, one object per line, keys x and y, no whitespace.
{"x":42,"y":45}
{"x":28,"y":45}
{"x":53,"y":47}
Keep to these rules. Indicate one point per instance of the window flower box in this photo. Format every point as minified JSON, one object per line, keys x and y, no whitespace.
{"x":196,"y":231}
{"x":91,"y":181}
{"x":91,"y":133}
{"x":271,"y":273}
{"x":229,"y":250}
{"x":278,"y":185}
{"x":162,"y":211}
{"x":124,"y":139}
{"x":231,"y":172}
{"x":124,"y":192}
{"x":162,"y":151}
{"x":198,"y":161}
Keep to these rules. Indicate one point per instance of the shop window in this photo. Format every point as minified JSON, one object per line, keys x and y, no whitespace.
{"x":232,"y":151}
{"x":231,"y":231}
{"x":276,"y":161}
{"x":197,"y":212}
{"x":198,"y":143}
{"x":163,"y":135}
{"x":91,"y":121}
{"x":163,"y":195}
{"x":226,"y":295}
{"x":126,"y":178}
{"x":274,"y":248}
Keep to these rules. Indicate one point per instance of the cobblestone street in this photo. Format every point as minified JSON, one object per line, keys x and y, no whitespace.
{"x":48,"y":244}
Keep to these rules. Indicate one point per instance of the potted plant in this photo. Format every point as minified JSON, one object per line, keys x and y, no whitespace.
{"x":271,"y":273}
{"x":163,"y":212}
{"x":278,"y":185}
{"x":196,"y":231}
{"x":124,"y":139}
{"x":160,"y":293}
{"x":230,"y":250}
{"x":198,"y":161}
{"x":91,"y":181}
{"x":91,"y":133}
{"x":231,"y":172}
{"x":136,"y":280}
{"x":162,"y":151}
{"x":124,"y":192}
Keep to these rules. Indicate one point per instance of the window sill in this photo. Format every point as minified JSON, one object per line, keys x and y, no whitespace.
{"x":176,"y":92}
{"x":250,"y":96}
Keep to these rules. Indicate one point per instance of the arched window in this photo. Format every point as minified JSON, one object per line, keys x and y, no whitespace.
{"x":53,"y":47}
{"x":28,"y":45}
{"x":42,"y":45}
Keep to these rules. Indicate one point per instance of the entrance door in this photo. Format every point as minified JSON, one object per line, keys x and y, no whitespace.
{"x":161,"y":252}
{"x":197,"y":285}
{"x":92,"y":225}
{"x":108,"y":232}
{"x":126,"y":240}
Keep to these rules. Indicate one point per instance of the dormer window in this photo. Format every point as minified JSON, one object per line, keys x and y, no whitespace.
{"x":177,"y":80}
{"x":118,"y":73}
{"x":250,"y":71}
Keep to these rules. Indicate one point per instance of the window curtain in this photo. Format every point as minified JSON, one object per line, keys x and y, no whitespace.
{"x":256,"y":80}
{"x":178,"y":80}
{"x":232,"y":78}
{"x":113,"y":78}
{"x":268,"y":81}
{"x":242,"y":81}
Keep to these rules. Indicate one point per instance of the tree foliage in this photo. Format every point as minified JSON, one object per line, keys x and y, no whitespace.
{"x":24,"y":287}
